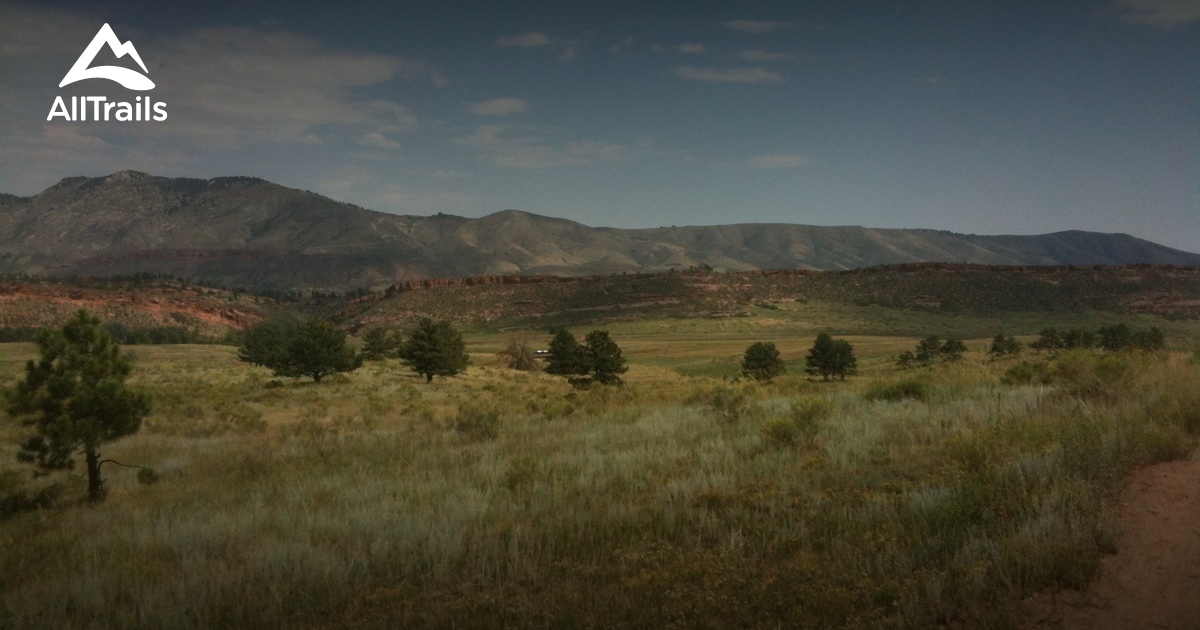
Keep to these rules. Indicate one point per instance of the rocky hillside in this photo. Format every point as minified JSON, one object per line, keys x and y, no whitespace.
{"x":247,"y":232}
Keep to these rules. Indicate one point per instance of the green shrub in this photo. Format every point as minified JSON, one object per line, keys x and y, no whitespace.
{"x":477,"y":421}
{"x":1085,"y":374}
{"x":807,"y":416}
{"x":1027,"y":373}
{"x":729,"y":404}
{"x":900,"y":390}
{"x":780,"y":432}
{"x":15,"y":497}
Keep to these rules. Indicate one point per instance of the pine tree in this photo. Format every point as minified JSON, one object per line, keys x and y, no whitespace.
{"x":75,"y":396}
{"x":829,"y":358}
{"x":761,"y":361}
{"x":928,"y":350}
{"x":1003,"y":346}
{"x":843,"y":361}
{"x":378,"y":343}
{"x":565,"y":356}
{"x":434,"y":349}
{"x":317,"y":349}
{"x":266,"y":343}
{"x":605,"y":358}
{"x":952,"y":349}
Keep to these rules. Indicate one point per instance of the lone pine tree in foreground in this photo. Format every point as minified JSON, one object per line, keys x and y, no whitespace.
{"x":434,"y":349}
{"x":75,"y":396}
{"x":761,"y":361}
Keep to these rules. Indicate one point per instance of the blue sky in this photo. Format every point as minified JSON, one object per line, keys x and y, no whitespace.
{"x":989,"y":118}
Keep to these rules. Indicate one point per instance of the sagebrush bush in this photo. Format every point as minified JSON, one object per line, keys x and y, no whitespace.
{"x":477,"y":421}
{"x":1028,"y":373}
{"x":729,"y":404}
{"x":909,"y":388}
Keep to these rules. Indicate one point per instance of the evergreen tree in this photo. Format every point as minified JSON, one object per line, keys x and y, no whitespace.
{"x":266,"y":343}
{"x":605,"y":358}
{"x":1004,"y":346}
{"x":829,"y":358}
{"x":843,"y":362}
{"x":1049,"y":339}
{"x":598,"y":360}
{"x":317,"y":349}
{"x":761,"y":361}
{"x":928,"y":350}
{"x":952,"y":349}
{"x":1149,"y":340}
{"x":378,"y":344}
{"x":434,"y":349}
{"x":565,"y":356}
{"x":314,"y":348}
{"x":76,"y":398}
{"x":1114,"y":338}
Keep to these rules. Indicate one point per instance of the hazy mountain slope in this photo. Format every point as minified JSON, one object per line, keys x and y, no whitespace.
{"x":242,"y":231}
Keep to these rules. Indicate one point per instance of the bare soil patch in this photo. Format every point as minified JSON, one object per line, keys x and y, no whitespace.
{"x":1153,"y":581}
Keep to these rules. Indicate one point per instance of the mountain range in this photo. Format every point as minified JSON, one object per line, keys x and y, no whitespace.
{"x":248,"y":232}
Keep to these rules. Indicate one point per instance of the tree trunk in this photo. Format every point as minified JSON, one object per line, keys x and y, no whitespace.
{"x":95,"y":482}
{"x":429,"y":377}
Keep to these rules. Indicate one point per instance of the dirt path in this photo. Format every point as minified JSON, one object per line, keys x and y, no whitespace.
{"x":1153,"y":581}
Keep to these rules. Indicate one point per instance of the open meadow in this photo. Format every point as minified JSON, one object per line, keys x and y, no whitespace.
{"x":684,"y":498}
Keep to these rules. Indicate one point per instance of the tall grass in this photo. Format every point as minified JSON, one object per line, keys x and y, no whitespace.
{"x":374,"y":500}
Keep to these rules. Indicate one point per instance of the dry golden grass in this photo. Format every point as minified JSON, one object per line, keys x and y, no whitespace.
{"x":374,"y":499}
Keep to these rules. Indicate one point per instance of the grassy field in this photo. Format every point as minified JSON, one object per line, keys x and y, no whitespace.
{"x":497,"y":498}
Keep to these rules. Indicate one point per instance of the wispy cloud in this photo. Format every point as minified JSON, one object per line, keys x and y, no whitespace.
{"x":773,"y":161}
{"x":532,"y":39}
{"x":565,"y":48}
{"x":764,"y":55}
{"x":691,"y":49}
{"x":527,"y":147}
{"x":1161,"y":14}
{"x":379,"y":191}
{"x":728,"y":75}
{"x":757,"y":26}
{"x":503,"y":106}
{"x":378,"y":141}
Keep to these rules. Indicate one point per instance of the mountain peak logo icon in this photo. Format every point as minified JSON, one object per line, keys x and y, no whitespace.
{"x":126,"y":77}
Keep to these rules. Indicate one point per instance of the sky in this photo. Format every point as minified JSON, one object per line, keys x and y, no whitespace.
{"x":1006,"y":117}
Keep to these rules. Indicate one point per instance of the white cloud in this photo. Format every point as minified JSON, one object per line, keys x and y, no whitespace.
{"x":691,"y":49}
{"x":378,"y":140}
{"x":728,"y":75}
{"x":503,"y":106}
{"x":378,"y":191}
{"x":764,"y":55}
{"x":1161,"y":14}
{"x":526,"y":147}
{"x":757,"y":26}
{"x":565,"y":49}
{"x":774,"y":161}
{"x":532,"y":39}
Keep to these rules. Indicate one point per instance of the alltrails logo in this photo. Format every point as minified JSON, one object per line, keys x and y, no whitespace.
{"x":142,"y":108}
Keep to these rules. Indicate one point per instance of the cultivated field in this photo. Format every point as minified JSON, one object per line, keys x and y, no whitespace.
{"x":899,"y":498}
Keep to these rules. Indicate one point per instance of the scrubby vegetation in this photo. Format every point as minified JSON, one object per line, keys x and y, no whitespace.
{"x":509,"y":498}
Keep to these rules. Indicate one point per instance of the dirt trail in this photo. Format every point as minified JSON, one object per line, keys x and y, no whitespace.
{"x":1153,"y":581}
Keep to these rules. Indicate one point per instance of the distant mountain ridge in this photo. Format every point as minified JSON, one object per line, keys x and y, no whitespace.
{"x":248,"y":232}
